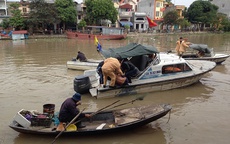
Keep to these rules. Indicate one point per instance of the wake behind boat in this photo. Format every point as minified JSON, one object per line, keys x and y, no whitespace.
{"x":103,"y":122}
{"x":166,"y":71}
{"x":203,"y":52}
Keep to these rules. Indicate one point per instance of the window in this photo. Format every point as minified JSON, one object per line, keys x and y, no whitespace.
{"x":158,"y":4}
{"x":157,"y":13}
{"x":24,"y":10}
{"x":175,"y":68}
{"x":79,"y":17}
{"x":139,"y":18}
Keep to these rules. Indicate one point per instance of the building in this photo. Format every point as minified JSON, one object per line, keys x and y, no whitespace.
{"x":159,"y":10}
{"x":139,"y":21}
{"x":3,"y":10}
{"x":154,"y":9}
{"x":179,"y":9}
{"x":224,"y":6}
{"x":81,"y":11}
{"x":24,"y":7}
{"x":125,"y":14}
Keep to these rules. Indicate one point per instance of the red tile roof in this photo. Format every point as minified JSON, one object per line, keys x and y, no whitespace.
{"x":126,"y":6}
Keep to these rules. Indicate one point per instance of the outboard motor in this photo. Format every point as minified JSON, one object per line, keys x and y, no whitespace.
{"x":82,"y":84}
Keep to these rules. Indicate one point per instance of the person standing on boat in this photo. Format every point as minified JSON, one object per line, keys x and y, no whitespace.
{"x":69,"y":110}
{"x":184,"y":45}
{"x":81,"y":57}
{"x":111,"y":68}
{"x":178,"y":44}
{"x":181,"y":46}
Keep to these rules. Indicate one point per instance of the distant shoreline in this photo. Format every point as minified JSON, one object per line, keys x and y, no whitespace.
{"x":130,"y":34}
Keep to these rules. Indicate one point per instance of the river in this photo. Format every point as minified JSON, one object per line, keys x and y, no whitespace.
{"x":33,"y":73}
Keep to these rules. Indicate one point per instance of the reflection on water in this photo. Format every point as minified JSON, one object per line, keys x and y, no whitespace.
{"x":33,"y":72}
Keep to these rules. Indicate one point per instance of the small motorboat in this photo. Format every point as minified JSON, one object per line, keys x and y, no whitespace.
{"x":166,"y":71}
{"x":78,"y":65}
{"x":203,"y":52}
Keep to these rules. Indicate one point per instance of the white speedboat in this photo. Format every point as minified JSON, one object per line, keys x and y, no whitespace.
{"x":203,"y":52}
{"x":130,"y":50}
{"x":165,"y":72}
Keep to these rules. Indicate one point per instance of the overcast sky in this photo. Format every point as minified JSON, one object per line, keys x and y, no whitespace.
{"x":176,"y":2}
{"x":187,"y":3}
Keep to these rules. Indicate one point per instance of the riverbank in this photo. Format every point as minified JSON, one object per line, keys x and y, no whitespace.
{"x":130,"y":34}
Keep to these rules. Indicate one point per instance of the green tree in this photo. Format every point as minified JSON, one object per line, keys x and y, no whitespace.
{"x":170,"y":18}
{"x":202,"y":12}
{"x":66,"y":10}
{"x":5,"y":23}
{"x":184,"y":23}
{"x":16,"y":21}
{"x":82,"y":24}
{"x":42,"y":15}
{"x":169,"y":1}
{"x":97,"y":10}
{"x":222,"y":23}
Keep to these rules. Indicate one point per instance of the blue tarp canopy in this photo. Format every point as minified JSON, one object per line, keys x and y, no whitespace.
{"x":123,"y":23}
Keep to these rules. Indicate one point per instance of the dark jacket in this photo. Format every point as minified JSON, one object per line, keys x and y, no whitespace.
{"x":68,"y":110}
{"x":81,"y":57}
{"x":99,"y":71}
{"x":130,"y":70}
{"x":127,"y":66}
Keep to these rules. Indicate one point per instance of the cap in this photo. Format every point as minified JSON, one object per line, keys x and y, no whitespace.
{"x":77,"y":97}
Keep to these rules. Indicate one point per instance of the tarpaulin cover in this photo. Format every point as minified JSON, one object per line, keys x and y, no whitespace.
{"x":200,"y":47}
{"x":130,"y":50}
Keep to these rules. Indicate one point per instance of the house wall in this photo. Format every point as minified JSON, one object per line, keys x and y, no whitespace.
{"x":146,"y":6}
{"x":224,"y":6}
{"x":159,"y":8}
{"x":139,"y":21}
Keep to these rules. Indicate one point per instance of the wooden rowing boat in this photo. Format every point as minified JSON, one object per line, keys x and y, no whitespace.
{"x":105,"y":122}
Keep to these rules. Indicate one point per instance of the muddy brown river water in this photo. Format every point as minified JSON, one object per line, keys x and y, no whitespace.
{"x":33,"y":72}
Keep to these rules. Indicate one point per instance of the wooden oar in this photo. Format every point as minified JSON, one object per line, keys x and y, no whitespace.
{"x":139,"y":98}
{"x":104,"y":108}
{"x":68,"y":125}
{"x":92,"y":114}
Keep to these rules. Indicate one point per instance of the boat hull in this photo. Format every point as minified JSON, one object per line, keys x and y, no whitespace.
{"x":73,"y":35}
{"x":217,"y":58}
{"x":149,"y":87}
{"x":77,"y":65}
